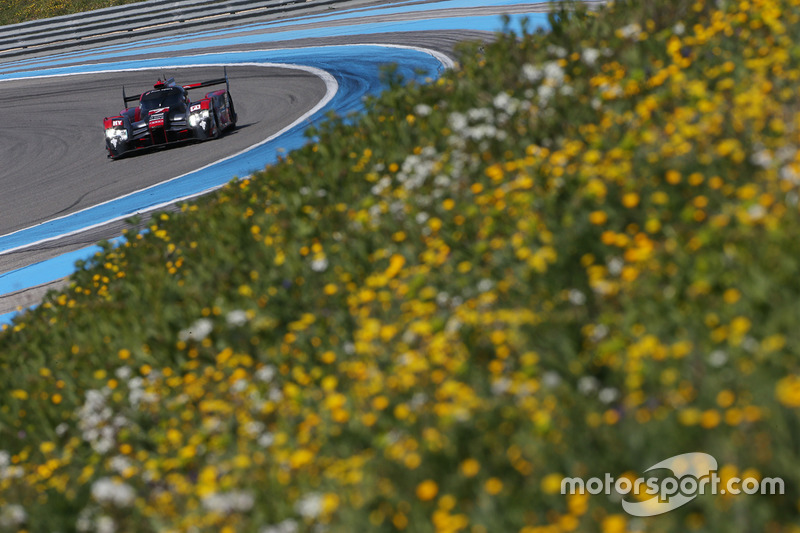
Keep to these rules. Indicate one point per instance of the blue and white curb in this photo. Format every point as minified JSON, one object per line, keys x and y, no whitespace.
{"x":350,"y":72}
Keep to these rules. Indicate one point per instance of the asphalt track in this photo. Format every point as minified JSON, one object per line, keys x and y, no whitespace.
{"x":53,"y":161}
{"x":59,"y":148}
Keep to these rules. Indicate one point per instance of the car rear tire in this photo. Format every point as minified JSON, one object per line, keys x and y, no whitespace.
{"x":232,"y":111}
{"x":214,"y":128}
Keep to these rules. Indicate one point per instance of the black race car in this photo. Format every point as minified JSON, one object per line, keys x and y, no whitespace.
{"x":166,"y":115}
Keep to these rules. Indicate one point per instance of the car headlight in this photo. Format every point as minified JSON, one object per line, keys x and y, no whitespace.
{"x":196,"y":118}
{"x":119,"y":133}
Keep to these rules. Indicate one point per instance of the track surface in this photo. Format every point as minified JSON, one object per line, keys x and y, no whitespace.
{"x":53,"y":158}
{"x":59,"y":148}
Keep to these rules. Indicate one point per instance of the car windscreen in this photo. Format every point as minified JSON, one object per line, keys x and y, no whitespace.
{"x":161,"y":98}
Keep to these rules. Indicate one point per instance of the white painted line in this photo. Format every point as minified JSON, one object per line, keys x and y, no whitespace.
{"x":331,"y":86}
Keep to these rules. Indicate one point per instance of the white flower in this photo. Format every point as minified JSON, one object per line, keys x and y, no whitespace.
{"x":615,"y":266}
{"x":750,"y":344}
{"x":756,"y":212}
{"x":590,"y":56}
{"x":502,"y":100}
{"x":266,"y":440}
{"x":587,"y":385}
{"x":309,"y":506}
{"x":679,"y":28}
{"x":422,"y":110}
{"x":123,"y":373}
{"x":319,"y":264}
{"x":785,"y":153}
{"x":105,"y":524}
{"x":553,"y":73}
{"x":576,"y":297}
{"x":557,"y":51}
{"x":717,"y":358}
{"x":62,"y":428}
{"x":236,"y":318}
{"x":631,"y":30}
{"x":762,"y":158}
{"x":229,"y":502}
{"x":12,"y":515}
{"x":197,"y":331}
{"x":120,"y":463}
{"x":275,"y":394}
{"x":287,"y":526}
{"x":545,"y":94}
{"x":485,"y":285}
{"x":107,"y":490}
{"x":500,"y":386}
{"x":382,"y":184}
{"x":608,"y":394}
{"x":457,"y":121}
{"x":789,"y":173}
{"x":599,"y":332}
{"x":531,"y":73}
{"x":84,"y":521}
{"x":480,"y":114}
{"x":265,"y":373}
{"x":5,"y":458}
{"x":551,"y":379}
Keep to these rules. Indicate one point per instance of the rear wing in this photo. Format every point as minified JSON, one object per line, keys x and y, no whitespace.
{"x":209,"y":83}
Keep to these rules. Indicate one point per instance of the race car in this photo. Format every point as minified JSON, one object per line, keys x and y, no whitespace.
{"x":165,"y":115}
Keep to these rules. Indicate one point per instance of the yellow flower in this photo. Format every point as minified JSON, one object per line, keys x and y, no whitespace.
{"x":710,"y":419}
{"x":300,"y":458}
{"x":615,"y":523}
{"x":19,"y":394}
{"x":598,"y":217}
{"x":731,"y":296}
{"x":493,"y":485}
{"x":630,"y":200}
{"x":551,"y":484}
{"x":47,"y":447}
{"x":673,"y":177}
{"x":725,"y":398}
{"x":396,"y":263}
{"x":427,"y":490}
{"x":689,"y":417}
{"x":470,"y":467}
{"x":788,"y":391}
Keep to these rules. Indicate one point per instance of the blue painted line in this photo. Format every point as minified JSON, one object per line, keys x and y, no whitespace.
{"x":7,"y":318}
{"x":401,"y":8}
{"x":356,"y":69}
{"x":48,"y":270}
{"x":481,"y":23}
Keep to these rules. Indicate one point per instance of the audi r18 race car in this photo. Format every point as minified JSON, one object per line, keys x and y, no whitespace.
{"x":166,"y":115}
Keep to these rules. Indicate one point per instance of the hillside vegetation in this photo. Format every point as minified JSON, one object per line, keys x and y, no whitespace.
{"x":15,"y":11}
{"x":575,"y":254}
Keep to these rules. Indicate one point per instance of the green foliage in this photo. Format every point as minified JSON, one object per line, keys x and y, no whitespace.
{"x":574,"y":254}
{"x":15,"y":11}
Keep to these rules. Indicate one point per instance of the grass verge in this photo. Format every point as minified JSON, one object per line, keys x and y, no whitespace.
{"x":16,"y":11}
{"x":575,"y":254}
